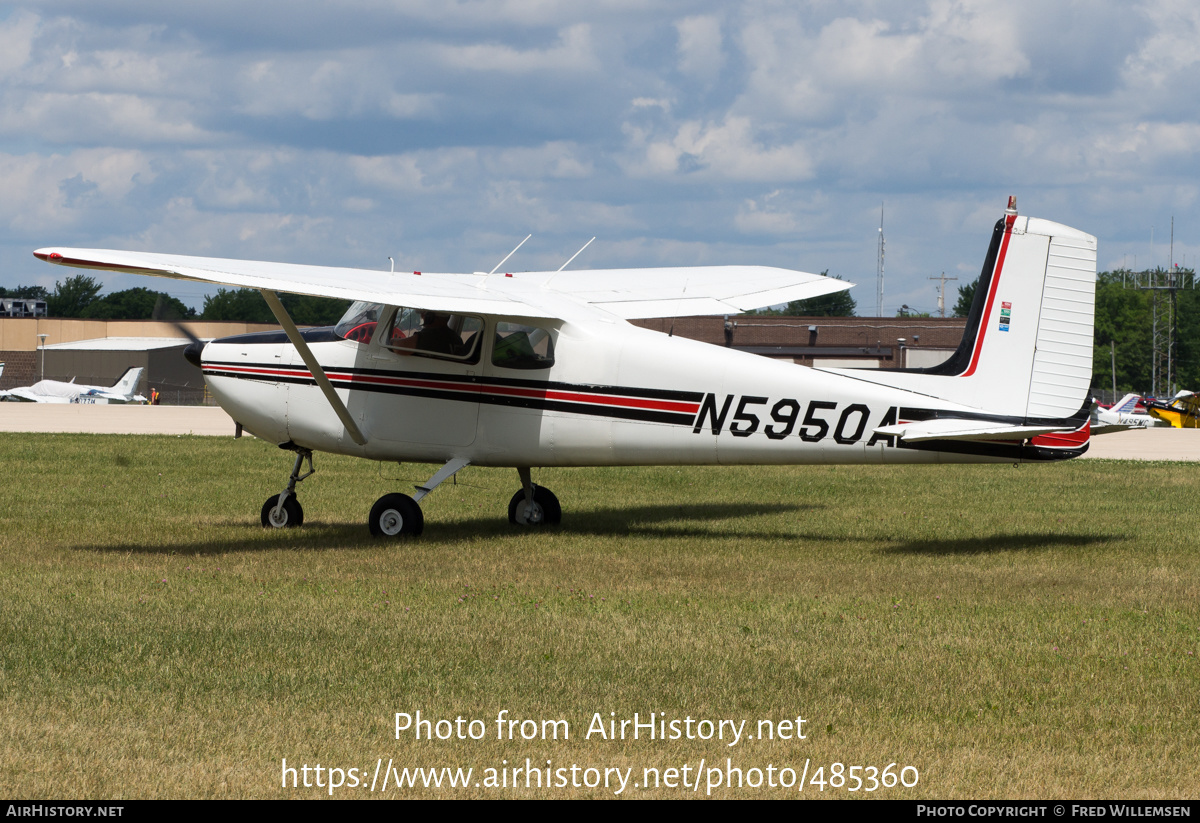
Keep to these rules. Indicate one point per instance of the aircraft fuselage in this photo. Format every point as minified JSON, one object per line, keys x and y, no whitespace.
{"x":615,"y":395}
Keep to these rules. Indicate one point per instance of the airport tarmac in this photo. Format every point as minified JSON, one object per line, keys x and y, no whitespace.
{"x":1135,"y":444}
{"x":115,"y":419}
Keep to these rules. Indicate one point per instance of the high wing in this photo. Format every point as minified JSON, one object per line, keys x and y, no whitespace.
{"x":688,"y":292}
{"x":626,"y":293}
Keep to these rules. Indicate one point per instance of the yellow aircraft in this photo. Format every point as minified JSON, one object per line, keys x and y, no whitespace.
{"x":1183,"y":412}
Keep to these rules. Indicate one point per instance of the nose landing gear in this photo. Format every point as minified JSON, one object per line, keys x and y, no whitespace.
{"x":277,"y":515}
{"x":284,"y":510}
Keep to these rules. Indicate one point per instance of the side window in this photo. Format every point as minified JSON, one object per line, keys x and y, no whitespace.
{"x":435,"y":334}
{"x":359,"y":322}
{"x":518,"y":346}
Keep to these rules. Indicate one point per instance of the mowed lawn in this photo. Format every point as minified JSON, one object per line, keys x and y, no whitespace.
{"x":1000,"y":631}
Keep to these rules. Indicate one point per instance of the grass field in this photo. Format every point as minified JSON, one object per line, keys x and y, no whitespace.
{"x":1006,"y":632}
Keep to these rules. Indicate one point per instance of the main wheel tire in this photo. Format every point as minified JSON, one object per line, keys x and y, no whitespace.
{"x":545,"y":510}
{"x":290,"y":516}
{"x":396,"y":515}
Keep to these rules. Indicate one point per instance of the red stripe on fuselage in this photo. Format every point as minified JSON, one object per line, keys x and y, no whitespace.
{"x":601,"y":399}
{"x":452,"y":384}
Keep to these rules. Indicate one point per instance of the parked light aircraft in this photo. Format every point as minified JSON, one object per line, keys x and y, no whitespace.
{"x":1182,"y":411}
{"x":541,"y":369}
{"x":1121,"y":416}
{"x":56,"y":391}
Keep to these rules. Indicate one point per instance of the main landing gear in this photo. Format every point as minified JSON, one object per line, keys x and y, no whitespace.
{"x":398,"y":515}
{"x":533,"y":505}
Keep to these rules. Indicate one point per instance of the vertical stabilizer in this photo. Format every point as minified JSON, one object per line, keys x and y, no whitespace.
{"x":129,"y":381}
{"x":1027,"y":348}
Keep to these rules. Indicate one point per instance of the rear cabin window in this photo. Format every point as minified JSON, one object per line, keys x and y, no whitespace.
{"x":435,"y":334}
{"x":517,"y":346}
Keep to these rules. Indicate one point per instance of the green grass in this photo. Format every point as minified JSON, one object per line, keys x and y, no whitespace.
{"x":1027,"y":632}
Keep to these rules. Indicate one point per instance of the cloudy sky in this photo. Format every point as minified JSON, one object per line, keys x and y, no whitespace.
{"x":679,"y":133}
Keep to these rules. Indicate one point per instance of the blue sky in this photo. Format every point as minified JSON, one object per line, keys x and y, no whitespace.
{"x":441,"y":133}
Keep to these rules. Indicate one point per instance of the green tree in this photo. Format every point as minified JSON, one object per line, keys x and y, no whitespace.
{"x":248,"y":306}
{"x":236,"y":305}
{"x":24,"y":293}
{"x":137,"y":304}
{"x":1187,"y":339}
{"x":72,"y":296}
{"x":966,"y":296}
{"x":838,"y":304}
{"x":307,"y":310}
{"x":905,"y":311}
{"x":1123,"y":324}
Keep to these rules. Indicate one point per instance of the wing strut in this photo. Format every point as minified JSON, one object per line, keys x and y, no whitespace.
{"x":318,"y":373}
{"x":453,"y":467}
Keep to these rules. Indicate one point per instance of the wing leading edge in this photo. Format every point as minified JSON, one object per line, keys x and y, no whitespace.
{"x":627,"y":293}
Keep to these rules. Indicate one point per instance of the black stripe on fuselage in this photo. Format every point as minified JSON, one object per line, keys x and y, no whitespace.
{"x":320,"y":334}
{"x":1014,"y":451}
{"x":473,"y":390}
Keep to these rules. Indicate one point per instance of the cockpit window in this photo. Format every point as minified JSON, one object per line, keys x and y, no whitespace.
{"x":518,"y":346}
{"x":435,"y":334}
{"x":359,"y":322}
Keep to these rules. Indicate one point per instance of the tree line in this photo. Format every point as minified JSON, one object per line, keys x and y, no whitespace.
{"x":79,"y":296}
{"x":1124,"y":329}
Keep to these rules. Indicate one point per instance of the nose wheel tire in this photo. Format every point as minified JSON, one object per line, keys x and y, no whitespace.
{"x":544,"y":511}
{"x":396,"y":515}
{"x":291,"y":514}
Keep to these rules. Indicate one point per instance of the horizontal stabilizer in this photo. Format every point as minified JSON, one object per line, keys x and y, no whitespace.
{"x":965,"y":430}
{"x":1112,"y":428}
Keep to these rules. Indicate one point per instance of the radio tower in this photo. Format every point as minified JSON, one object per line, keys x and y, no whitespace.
{"x":1164,"y":321}
{"x":879,"y":268}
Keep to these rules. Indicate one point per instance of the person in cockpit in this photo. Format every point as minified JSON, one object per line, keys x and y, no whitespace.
{"x":435,"y":335}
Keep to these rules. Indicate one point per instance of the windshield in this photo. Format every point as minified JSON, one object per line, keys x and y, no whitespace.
{"x":359,"y":322}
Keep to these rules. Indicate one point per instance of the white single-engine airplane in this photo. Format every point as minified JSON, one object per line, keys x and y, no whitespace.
{"x":56,"y":391}
{"x":1121,"y":416}
{"x":541,"y":369}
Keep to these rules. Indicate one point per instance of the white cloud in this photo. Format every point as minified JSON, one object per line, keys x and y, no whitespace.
{"x":1170,"y":50}
{"x":417,"y":172}
{"x":726,"y":150}
{"x":700,"y":47}
{"x":16,"y":42}
{"x":553,"y":160}
{"x":572,"y":53}
{"x":51,"y":193}
{"x":433,"y":131}
{"x":95,"y":117}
